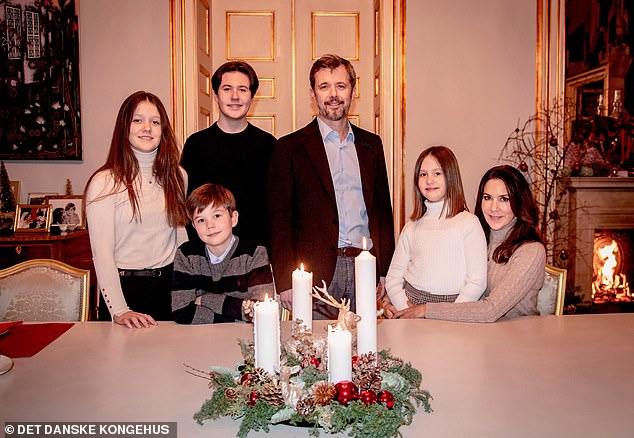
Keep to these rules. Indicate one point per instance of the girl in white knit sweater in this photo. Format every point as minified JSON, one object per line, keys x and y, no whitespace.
{"x":441,"y":254}
{"x":135,"y":206}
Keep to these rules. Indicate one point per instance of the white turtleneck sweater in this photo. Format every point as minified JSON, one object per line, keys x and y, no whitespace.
{"x":440,"y":256}
{"x":120,"y":242}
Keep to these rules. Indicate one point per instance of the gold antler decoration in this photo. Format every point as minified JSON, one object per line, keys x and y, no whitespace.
{"x":346,"y":319}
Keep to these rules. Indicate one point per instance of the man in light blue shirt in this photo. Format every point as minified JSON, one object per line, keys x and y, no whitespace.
{"x":346,"y":177}
{"x":327,"y":191}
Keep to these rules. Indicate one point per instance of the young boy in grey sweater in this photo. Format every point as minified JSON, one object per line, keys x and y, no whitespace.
{"x":213,"y":278}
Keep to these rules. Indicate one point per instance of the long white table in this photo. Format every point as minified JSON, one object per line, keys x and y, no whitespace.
{"x":567,"y":376}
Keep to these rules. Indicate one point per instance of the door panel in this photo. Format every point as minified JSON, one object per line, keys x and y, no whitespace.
{"x":203,"y":61}
{"x":343,"y":28}
{"x":264,"y":34}
{"x":260,"y":34}
{"x":369,"y":32}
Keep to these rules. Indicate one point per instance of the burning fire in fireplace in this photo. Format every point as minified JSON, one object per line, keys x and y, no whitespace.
{"x":609,"y":282}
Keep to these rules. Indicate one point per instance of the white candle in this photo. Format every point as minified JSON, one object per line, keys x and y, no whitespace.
{"x":302,"y":296}
{"x":365,"y":289}
{"x":339,"y":355}
{"x":266,"y":332}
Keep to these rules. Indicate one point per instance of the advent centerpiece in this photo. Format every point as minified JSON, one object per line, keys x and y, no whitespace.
{"x":310,"y":386}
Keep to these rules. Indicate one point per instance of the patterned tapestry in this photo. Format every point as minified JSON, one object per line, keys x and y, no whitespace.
{"x":39,"y":80}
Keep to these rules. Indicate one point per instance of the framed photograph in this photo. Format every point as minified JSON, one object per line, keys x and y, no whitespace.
{"x":32,"y":217}
{"x":67,"y":210}
{"x":15,"y":188}
{"x":39,"y":197}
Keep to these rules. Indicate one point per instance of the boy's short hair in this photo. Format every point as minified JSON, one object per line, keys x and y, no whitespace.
{"x":239,"y":66}
{"x":206,"y":195}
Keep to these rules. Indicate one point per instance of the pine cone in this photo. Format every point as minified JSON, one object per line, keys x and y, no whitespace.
{"x":230,"y":394}
{"x":260,"y":376}
{"x":272,"y":394}
{"x":366,"y":374}
{"x":305,"y":406}
{"x":385,"y":364}
{"x":323,"y":393}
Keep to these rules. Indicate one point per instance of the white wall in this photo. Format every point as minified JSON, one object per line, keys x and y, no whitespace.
{"x":470,"y":78}
{"x":124,"y":47}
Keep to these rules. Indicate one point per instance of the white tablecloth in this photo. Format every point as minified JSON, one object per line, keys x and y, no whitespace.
{"x":531,"y":377}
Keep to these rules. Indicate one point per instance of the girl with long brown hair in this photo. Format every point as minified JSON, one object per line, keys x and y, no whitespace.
{"x":440,"y":255}
{"x":135,"y":208}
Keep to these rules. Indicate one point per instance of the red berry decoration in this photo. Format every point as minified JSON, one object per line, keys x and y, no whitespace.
{"x":553,"y":141}
{"x":245,"y":379}
{"x":523,"y":166}
{"x":367,"y":396}
{"x":563,"y":255}
{"x":315,"y":361}
{"x":554,"y":215}
{"x":386,"y":398}
{"x":253,"y":397}
{"x":346,"y":392}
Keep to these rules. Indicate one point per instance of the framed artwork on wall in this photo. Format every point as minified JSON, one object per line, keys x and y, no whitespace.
{"x":39,"y":80}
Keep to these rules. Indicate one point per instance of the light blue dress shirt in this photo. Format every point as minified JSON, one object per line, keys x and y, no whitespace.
{"x":346,"y":177}
{"x":215,"y":260}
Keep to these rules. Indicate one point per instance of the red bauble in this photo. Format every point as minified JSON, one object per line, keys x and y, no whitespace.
{"x":253,"y":397}
{"x":245,"y":379}
{"x":386,"y":398}
{"x":563,"y":255}
{"x":346,"y":392}
{"x":315,"y":361}
{"x":553,"y":141}
{"x":523,"y":166}
{"x":367,"y":396}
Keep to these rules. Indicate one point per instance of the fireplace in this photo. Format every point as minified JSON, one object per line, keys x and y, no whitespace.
{"x":612,"y":266}
{"x":601,"y":208}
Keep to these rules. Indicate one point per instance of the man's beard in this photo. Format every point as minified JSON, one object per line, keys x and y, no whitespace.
{"x":332,"y":113}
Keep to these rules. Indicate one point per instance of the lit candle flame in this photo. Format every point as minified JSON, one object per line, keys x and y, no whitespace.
{"x":301,"y":267}
{"x":365,"y":243}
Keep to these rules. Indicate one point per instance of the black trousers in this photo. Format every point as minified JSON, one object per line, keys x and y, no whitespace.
{"x":149,"y":295}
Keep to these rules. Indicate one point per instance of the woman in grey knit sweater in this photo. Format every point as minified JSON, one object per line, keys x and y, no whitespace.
{"x":508,"y":215}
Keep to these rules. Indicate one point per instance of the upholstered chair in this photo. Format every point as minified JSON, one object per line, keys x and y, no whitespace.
{"x":550,"y":300}
{"x":44,"y":290}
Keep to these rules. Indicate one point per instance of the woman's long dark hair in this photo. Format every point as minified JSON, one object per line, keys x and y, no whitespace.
{"x":522,"y":205}
{"x":125,"y":167}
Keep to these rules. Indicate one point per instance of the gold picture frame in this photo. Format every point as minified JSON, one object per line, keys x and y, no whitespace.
{"x":32,"y":218}
{"x":68,"y":210}
{"x":34,"y":198}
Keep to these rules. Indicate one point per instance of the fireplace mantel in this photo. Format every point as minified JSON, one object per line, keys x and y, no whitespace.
{"x":594,"y":203}
{"x":598,"y":183}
